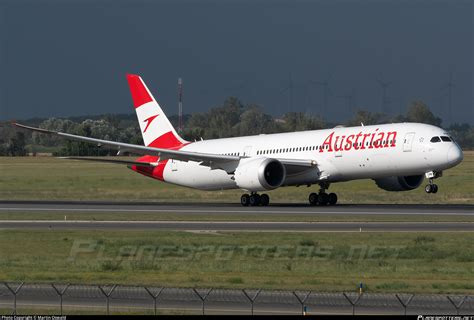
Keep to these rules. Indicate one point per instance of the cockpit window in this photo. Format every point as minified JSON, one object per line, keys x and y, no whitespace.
{"x":435,"y":139}
{"x":446,"y":139}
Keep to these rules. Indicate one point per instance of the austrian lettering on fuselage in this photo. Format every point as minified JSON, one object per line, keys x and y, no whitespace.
{"x":359,"y":141}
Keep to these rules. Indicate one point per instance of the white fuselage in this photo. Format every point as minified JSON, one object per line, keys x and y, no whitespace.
{"x":341,"y":154}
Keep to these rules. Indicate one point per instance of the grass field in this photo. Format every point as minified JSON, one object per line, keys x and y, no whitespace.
{"x":47,"y":178}
{"x":384,"y":262}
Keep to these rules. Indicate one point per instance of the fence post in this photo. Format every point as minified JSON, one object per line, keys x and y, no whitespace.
{"x":60,"y":294}
{"x":154,"y":296}
{"x":302,"y":301}
{"x":406,"y":303}
{"x":107,"y":295}
{"x":203,"y":298}
{"x":252,"y":299}
{"x":353,"y":303}
{"x":14,"y":292}
{"x":459,"y":305}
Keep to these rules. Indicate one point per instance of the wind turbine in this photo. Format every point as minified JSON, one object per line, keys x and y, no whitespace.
{"x":325,"y":88}
{"x":289,"y":88}
{"x":449,"y":86}
{"x":350,"y":100}
{"x":384,"y":85}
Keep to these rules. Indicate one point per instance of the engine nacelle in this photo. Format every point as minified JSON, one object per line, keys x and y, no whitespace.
{"x":403,"y":183}
{"x":260,"y":174}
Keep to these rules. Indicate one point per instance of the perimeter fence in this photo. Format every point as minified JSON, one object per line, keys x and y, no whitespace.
{"x":107,"y":299}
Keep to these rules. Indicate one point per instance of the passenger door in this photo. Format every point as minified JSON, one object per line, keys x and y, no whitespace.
{"x":408,"y":141}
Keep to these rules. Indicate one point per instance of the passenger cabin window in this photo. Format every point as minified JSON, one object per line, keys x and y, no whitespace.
{"x":446,"y":139}
{"x":435,"y":139}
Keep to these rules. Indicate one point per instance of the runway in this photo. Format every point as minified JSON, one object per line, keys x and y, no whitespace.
{"x":230,"y":208}
{"x":192,"y":211}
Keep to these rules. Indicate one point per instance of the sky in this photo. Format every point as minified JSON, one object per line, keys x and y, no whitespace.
{"x":67,"y":57}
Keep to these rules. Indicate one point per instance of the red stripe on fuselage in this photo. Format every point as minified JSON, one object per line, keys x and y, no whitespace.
{"x":140,"y":94}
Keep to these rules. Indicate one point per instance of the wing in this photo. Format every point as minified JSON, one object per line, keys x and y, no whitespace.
{"x":214,"y":161}
{"x":164,"y":154}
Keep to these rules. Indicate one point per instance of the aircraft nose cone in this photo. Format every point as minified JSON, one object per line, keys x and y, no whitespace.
{"x":455,"y":155}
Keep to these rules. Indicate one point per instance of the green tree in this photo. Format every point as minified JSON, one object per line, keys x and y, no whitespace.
{"x":3,"y":149}
{"x":5,"y":134}
{"x":419,"y":112}
{"x":299,"y":121}
{"x":131,"y":135}
{"x":222,"y":120}
{"x":367,"y":118}
{"x":196,"y":127}
{"x":254,"y":121}
{"x":463,"y":134}
{"x":53,"y":124}
{"x":16,"y":145}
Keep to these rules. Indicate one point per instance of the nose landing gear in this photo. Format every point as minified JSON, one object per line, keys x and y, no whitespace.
{"x":432,"y":187}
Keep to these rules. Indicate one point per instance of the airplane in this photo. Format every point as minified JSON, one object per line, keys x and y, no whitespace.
{"x":396,"y":156}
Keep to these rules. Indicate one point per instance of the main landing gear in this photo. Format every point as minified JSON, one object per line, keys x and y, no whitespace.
{"x":432,"y":187}
{"x":322,"y":198}
{"x":254,"y":199}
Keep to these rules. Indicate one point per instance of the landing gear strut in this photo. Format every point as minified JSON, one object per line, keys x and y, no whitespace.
{"x":254,"y":199}
{"x":322,"y":198}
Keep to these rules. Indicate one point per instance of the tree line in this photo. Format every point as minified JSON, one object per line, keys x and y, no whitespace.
{"x":231,"y":119}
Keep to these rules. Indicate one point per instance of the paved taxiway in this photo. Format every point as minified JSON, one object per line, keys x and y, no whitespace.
{"x":231,"y":209}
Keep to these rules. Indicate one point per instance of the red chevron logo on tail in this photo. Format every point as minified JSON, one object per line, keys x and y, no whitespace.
{"x":148,"y":121}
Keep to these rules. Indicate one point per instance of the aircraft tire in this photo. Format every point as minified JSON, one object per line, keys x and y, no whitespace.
{"x":332,"y":199}
{"x":245,"y":200}
{"x":313,"y":199}
{"x":254,"y":200}
{"x":323,"y":199}
{"x":264,"y":200}
{"x":428,"y":188}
